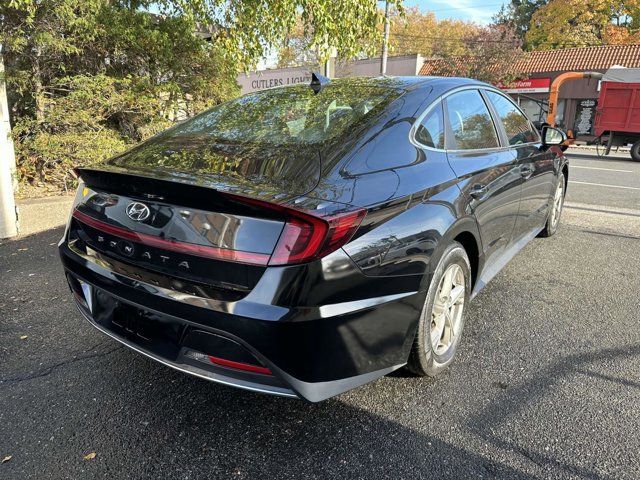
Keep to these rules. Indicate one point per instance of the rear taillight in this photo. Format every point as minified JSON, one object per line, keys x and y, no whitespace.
{"x":307,"y":236}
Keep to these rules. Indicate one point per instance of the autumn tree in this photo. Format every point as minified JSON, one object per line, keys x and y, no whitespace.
{"x":463,"y":48}
{"x":493,"y":52}
{"x":620,"y":35}
{"x":296,"y":48}
{"x":581,"y":23}
{"x":517,"y":14}
{"x":421,"y":32}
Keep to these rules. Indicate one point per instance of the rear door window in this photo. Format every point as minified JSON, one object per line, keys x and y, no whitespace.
{"x":518,"y":127}
{"x":470,"y":122}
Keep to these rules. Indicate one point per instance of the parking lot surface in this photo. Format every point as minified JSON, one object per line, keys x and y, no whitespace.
{"x":546,"y":384}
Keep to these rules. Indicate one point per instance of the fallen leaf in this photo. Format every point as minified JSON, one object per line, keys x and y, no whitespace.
{"x":24,"y":337}
{"x":90,"y":456}
{"x":6,"y":459}
{"x":23,"y":249}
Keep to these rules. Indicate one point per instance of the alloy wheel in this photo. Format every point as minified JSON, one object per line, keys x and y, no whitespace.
{"x":557,"y":203}
{"x":448,"y":306}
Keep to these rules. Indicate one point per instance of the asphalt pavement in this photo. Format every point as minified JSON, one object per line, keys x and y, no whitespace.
{"x":546,"y":384}
{"x":612,"y":181}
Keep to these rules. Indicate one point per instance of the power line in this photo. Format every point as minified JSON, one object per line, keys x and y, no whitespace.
{"x":449,"y":39}
{"x":464,"y":8}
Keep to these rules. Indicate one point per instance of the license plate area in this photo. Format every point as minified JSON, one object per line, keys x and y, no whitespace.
{"x":134,"y":322}
{"x":152,"y":331}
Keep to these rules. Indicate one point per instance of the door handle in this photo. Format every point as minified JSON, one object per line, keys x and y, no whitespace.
{"x":478,"y":191}
{"x":526,"y":170}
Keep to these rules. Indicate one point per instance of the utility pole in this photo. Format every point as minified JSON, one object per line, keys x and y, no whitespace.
{"x":328,"y":67}
{"x":385,"y":42}
{"x":8,"y":217}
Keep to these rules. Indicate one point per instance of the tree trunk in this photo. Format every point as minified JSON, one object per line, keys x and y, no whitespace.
{"x":38,"y":90}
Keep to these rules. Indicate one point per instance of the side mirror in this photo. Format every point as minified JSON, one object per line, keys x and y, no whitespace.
{"x":552,"y":136}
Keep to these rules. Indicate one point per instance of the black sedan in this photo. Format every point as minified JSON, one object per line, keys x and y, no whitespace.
{"x":305,"y":240}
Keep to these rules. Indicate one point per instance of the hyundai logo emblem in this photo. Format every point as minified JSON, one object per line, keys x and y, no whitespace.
{"x":138,"y":211}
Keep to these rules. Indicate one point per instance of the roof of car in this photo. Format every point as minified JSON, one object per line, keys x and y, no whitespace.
{"x":406,"y":82}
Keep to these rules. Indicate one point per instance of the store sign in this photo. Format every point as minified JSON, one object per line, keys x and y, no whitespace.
{"x":273,"y":78}
{"x":262,"y":83}
{"x":529,"y":85}
{"x":584,"y":116}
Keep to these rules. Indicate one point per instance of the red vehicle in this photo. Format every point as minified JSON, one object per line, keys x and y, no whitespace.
{"x":617,"y":120}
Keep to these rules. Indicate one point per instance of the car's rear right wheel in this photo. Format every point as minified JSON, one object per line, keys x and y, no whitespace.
{"x":442,"y":318}
{"x":555,"y":209}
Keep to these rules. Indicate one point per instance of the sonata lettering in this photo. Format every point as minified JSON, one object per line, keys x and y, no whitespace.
{"x":146,"y":255}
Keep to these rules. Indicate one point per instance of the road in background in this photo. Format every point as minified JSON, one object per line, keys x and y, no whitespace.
{"x":606,"y":181}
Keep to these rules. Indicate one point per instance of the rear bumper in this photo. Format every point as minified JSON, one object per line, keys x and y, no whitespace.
{"x":215,"y":376}
{"x":313,"y":352}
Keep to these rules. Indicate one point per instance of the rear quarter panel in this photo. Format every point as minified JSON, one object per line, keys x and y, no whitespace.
{"x":407,"y":233}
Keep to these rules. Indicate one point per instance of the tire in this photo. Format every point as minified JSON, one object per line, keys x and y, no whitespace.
{"x":555,"y":210}
{"x":635,"y":151}
{"x":427,"y":359}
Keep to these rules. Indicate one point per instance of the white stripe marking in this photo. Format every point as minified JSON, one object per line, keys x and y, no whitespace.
{"x":603,"y":185}
{"x":606,"y":169}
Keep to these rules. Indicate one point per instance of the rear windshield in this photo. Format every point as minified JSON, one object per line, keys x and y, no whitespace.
{"x":288,"y":116}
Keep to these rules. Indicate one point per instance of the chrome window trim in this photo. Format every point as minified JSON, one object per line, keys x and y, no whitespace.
{"x":440,"y":99}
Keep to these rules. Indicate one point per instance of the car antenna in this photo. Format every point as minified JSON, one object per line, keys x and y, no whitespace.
{"x":318,"y":82}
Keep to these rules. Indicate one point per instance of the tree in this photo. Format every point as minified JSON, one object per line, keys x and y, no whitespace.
{"x":618,"y":35}
{"x":297,"y":47}
{"x":247,"y":29}
{"x":88,"y":78}
{"x":580,"y":23}
{"x":493,"y":53}
{"x":518,"y":14}
{"x":421,"y":32}
{"x":39,"y":38}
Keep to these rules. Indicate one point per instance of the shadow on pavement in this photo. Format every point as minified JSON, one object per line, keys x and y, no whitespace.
{"x":522,"y":396}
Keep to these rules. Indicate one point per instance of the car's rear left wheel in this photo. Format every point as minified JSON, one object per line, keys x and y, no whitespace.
{"x":442,"y":318}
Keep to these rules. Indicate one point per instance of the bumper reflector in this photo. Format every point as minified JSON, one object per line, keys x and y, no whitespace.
{"x":222,"y":362}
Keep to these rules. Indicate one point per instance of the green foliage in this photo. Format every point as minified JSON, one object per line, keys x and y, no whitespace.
{"x":248,"y":28}
{"x":88,"y":78}
{"x":48,"y":158}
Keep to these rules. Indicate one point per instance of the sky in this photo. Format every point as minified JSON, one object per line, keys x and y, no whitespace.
{"x":475,"y":10}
